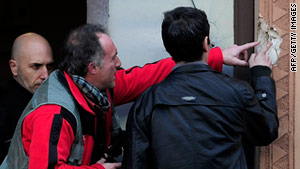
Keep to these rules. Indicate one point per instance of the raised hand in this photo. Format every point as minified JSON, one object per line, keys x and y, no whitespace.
{"x":237,"y":55}
{"x":261,"y":59}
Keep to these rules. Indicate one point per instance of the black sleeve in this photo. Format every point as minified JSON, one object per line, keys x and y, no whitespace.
{"x":261,"y":121}
{"x":258,"y":71}
{"x":137,"y":143}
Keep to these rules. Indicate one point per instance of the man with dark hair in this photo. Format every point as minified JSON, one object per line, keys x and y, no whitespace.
{"x":197,"y":117}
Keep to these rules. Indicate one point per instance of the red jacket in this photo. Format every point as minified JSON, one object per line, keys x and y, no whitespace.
{"x":37,"y":130}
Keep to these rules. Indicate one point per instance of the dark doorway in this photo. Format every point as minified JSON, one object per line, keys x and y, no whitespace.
{"x":51,"y":19}
{"x":244,"y":32}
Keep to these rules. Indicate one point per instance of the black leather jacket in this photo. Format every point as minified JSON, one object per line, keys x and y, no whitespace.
{"x":196,"y":119}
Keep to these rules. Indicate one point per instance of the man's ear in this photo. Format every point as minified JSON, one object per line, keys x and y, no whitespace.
{"x":13,"y":67}
{"x":205,"y":44}
{"x":92,"y":68}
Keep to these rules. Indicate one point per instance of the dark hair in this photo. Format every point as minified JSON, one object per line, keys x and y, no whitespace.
{"x":80,"y":48}
{"x":183,"y":33}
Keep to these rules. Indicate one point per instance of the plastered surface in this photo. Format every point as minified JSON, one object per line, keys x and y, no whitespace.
{"x":268,"y":34}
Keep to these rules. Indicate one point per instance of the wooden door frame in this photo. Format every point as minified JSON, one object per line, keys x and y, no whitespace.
{"x":245,"y":14}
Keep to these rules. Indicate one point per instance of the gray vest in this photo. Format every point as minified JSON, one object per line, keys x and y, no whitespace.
{"x":54,"y":90}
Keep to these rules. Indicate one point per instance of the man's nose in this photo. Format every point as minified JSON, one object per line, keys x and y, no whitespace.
{"x":44,"y":73}
{"x":118,"y":62}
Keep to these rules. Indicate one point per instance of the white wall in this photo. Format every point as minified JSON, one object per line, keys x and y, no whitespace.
{"x":135,"y":26}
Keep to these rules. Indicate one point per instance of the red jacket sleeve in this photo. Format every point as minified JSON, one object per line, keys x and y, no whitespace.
{"x":132,"y":82}
{"x":48,"y":146}
{"x":215,"y":59}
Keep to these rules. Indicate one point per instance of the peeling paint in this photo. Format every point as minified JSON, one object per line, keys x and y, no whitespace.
{"x":265,"y":35}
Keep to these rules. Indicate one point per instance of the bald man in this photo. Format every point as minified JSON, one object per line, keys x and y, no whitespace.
{"x":30,"y":64}
{"x":30,"y":60}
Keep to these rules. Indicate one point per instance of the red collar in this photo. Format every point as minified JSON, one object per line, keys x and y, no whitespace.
{"x":77,"y":94}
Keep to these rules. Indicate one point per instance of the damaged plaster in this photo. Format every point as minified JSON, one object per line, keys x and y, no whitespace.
{"x":265,"y":35}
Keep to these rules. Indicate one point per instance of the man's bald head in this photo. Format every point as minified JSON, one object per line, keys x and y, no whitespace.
{"x":26,"y":43}
{"x":30,"y":60}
